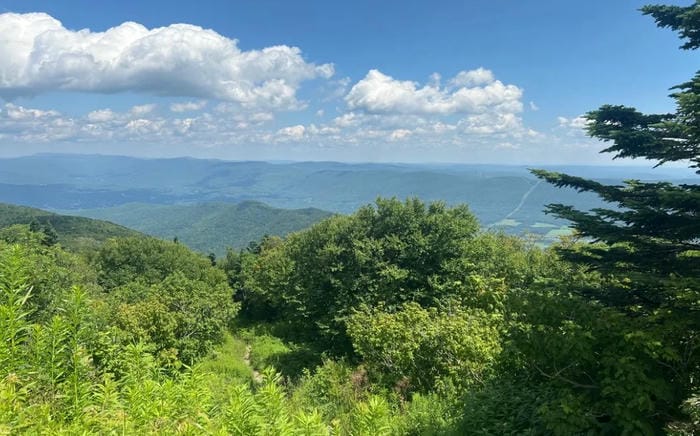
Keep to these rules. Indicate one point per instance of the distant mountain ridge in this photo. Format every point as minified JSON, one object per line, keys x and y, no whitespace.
{"x":502,"y":196}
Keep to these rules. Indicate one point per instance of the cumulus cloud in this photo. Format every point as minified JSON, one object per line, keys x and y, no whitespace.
{"x":579,"y":122}
{"x":142,"y":109}
{"x":19,"y":113}
{"x":292,"y":132}
{"x":470,"y":107}
{"x":469,"y":111}
{"x":490,"y":123}
{"x":474,"y":133}
{"x":188,"y":106}
{"x":323,"y":130}
{"x":399,"y":134}
{"x":34,"y":125}
{"x":101,"y":115}
{"x":39,"y":54}
{"x":470,"y":92}
{"x":478,"y":77}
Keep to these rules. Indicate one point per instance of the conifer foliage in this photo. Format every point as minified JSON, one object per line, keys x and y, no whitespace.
{"x":647,"y":244}
{"x":652,"y":232}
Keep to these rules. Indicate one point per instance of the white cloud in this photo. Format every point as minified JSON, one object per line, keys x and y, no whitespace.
{"x":323,"y":130}
{"x":144,"y":126}
{"x":188,"y":106}
{"x":183,"y":125}
{"x":580,"y":122}
{"x":347,"y":120}
{"x":534,"y":107}
{"x":19,"y":113}
{"x":260,"y":117}
{"x":142,"y":109}
{"x":491,"y":123}
{"x":39,"y":55}
{"x":477,"y":91}
{"x":478,"y":77}
{"x":412,"y":136}
{"x":101,"y":115}
{"x":28,"y":125}
{"x":473,"y":106}
{"x":292,"y":132}
{"x":399,"y":134}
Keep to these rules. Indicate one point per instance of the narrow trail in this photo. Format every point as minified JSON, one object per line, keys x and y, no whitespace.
{"x":257,"y":377}
{"x":523,"y":199}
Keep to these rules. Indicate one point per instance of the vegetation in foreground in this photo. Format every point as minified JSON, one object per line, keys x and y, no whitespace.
{"x":402,"y":318}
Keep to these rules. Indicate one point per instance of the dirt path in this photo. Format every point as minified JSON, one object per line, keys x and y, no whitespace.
{"x":257,"y":377}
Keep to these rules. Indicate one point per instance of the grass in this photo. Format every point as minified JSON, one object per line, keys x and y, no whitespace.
{"x":268,"y":350}
{"x":228,"y":361}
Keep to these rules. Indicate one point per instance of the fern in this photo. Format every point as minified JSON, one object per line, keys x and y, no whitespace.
{"x":14,"y":293}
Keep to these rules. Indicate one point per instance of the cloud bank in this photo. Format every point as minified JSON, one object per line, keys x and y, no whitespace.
{"x":227,"y":97}
{"x":39,"y":55}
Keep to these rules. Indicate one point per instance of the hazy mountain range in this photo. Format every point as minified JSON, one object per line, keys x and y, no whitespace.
{"x":193,"y":198}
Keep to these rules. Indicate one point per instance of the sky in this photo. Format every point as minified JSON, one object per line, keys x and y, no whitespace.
{"x":470,"y":81}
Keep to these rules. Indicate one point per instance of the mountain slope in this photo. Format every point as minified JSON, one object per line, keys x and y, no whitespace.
{"x":210,"y":227}
{"x":73,"y":231}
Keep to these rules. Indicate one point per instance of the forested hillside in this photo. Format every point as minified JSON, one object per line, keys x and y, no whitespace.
{"x":71,"y":231}
{"x":210,"y":227}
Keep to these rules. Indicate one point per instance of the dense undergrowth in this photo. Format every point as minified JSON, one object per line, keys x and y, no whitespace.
{"x":400,"y":319}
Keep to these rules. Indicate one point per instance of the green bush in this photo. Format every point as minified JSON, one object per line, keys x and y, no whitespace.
{"x":416,"y":349}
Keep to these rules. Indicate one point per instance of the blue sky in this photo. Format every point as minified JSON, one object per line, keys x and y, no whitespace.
{"x":465,"y":81}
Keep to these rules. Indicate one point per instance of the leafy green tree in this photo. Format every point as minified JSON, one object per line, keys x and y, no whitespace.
{"x":391,"y":253}
{"x":49,"y":235}
{"x":416,"y":349}
{"x":53,"y":270}
{"x":149,"y":260}
{"x":179,"y":315}
{"x":164,"y":295}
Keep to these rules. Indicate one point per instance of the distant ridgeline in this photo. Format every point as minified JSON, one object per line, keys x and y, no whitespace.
{"x":134,"y":192}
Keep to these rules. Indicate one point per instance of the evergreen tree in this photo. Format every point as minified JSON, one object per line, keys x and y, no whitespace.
{"x":652,"y":236}
{"x":51,"y":237}
{"x":647,"y":246}
{"x":47,"y":231}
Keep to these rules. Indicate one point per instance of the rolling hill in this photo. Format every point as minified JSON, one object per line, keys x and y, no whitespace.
{"x":210,"y":227}
{"x":73,"y":231}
